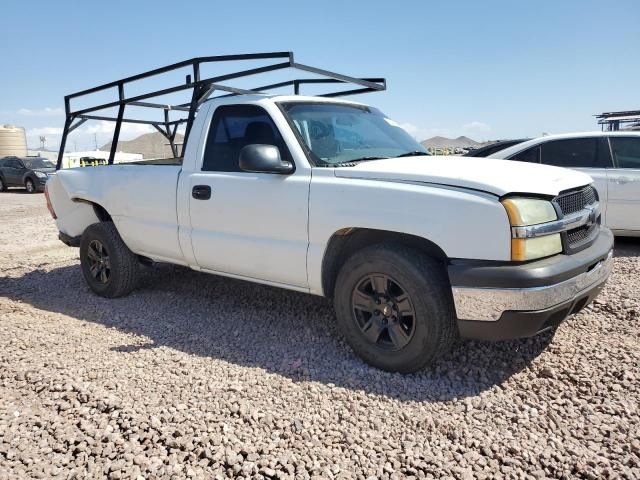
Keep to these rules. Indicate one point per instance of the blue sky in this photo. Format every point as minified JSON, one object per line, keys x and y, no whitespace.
{"x":486,"y":69}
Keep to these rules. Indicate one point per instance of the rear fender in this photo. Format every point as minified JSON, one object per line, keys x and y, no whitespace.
{"x":74,"y":214}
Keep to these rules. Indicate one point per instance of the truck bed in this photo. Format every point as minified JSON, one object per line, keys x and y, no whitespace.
{"x":140,"y":200}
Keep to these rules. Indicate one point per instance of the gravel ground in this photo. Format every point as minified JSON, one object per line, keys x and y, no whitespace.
{"x":194,"y":376}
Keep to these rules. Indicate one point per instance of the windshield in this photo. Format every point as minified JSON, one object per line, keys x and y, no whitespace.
{"x":341,"y":133}
{"x":37,"y":163}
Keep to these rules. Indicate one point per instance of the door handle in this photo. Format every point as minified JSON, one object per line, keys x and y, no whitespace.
{"x":623,"y":180}
{"x":201,"y":192}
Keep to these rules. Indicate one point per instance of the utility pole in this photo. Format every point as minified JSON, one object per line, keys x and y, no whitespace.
{"x":95,"y":141}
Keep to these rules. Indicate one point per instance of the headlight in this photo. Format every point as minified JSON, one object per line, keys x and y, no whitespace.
{"x":523,"y":212}
{"x":532,"y":248}
{"x":529,"y":211}
{"x":40,"y":174}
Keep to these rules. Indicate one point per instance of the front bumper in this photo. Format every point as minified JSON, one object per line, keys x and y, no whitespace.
{"x":497,"y":302}
{"x":41,"y":183}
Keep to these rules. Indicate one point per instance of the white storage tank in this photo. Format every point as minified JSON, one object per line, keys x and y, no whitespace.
{"x":13,"y":141}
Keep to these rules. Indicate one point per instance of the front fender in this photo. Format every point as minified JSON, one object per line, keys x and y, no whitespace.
{"x":463,"y":223}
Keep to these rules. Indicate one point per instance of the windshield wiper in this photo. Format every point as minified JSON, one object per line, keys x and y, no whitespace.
{"x":366,"y":159}
{"x":415,"y":153}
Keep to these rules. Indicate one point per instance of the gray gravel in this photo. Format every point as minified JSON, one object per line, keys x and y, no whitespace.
{"x":194,"y":376}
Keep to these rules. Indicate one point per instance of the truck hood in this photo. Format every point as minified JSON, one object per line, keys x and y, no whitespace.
{"x":489,"y":175}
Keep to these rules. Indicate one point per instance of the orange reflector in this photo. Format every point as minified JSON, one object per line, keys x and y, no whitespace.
{"x":512,"y":213}
{"x":518,"y":249}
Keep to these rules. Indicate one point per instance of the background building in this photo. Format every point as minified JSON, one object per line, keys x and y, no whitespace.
{"x":13,"y":141}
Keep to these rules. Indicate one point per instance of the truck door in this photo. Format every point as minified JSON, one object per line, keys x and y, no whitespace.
{"x":242,"y":223}
{"x":624,"y":184}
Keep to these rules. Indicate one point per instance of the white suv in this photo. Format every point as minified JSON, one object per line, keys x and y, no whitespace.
{"x":611,"y":158}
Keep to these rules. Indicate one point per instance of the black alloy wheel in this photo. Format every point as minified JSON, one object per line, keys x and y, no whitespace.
{"x":99,"y":262}
{"x":383,"y":311}
{"x":30,"y":186}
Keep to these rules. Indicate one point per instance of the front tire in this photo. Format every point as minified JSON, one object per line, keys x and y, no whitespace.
{"x":110,"y":269}
{"x":30,"y":186}
{"x":394,"y":307}
{"x":2,"y":185}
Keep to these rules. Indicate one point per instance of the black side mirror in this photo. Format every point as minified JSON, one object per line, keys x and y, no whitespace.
{"x":263,"y":158}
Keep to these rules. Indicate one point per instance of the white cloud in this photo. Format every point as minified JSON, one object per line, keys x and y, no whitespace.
{"x":33,"y":132}
{"x":127,"y":130}
{"x":43,"y":112}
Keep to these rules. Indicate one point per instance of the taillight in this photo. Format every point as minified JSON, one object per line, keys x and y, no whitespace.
{"x":49,"y":206}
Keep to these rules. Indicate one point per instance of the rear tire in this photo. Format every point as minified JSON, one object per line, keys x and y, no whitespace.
{"x":395,"y":308}
{"x":30,"y":186}
{"x":2,"y":185}
{"x":110,"y":269}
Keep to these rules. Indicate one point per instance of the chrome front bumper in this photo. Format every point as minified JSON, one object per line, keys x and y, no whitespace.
{"x":488,"y":304}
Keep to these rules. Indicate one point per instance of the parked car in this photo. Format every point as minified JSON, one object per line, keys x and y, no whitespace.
{"x":31,"y":173}
{"x":494,"y":147}
{"x":414,"y":250}
{"x":612,"y":159}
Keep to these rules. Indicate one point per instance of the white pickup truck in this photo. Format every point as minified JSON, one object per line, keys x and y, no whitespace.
{"x":333,"y":198}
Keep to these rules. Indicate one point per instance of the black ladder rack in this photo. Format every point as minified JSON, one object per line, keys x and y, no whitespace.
{"x":202,"y":89}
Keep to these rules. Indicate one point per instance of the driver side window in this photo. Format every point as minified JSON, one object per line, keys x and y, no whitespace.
{"x":232,"y":128}
{"x":626,"y":151}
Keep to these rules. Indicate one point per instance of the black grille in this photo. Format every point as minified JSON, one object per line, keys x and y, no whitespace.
{"x":575,"y":201}
{"x":581,"y":235}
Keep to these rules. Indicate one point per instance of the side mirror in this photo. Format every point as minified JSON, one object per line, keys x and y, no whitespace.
{"x":264,"y":159}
